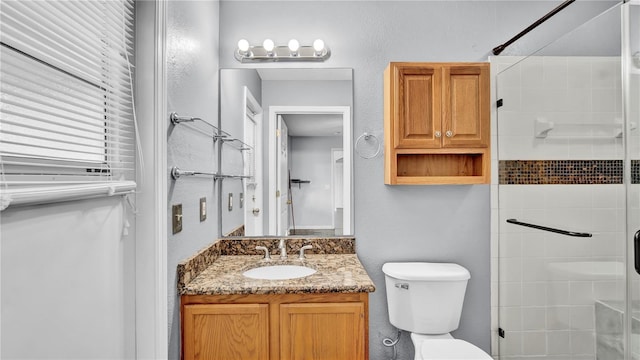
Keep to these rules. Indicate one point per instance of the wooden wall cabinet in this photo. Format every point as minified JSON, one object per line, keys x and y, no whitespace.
{"x":275,"y":327}
{"x":437,"y":120}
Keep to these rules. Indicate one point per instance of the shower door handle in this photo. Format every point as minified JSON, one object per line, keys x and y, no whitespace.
{"x":636,"y":251}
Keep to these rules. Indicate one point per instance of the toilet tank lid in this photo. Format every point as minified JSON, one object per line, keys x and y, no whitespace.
{"x":426,"y":271}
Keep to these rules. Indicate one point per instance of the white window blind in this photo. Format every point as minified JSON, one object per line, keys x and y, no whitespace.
{"x":66,"y":108}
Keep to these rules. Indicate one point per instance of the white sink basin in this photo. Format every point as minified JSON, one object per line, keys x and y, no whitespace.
{"x":279,"y":272}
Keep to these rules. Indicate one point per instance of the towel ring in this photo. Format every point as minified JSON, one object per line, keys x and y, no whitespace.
{"x":366,"y":136}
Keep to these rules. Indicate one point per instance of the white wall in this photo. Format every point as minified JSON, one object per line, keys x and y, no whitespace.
{"x":310,"y":159}
{"x":192,"y":89}
{"x":67,"y":281}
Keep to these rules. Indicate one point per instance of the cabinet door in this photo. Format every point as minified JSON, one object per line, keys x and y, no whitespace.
{"x":226,"y":331}
{"x":466,"y":113}
{"x":322,"y":331}
{"x":417,"y":106}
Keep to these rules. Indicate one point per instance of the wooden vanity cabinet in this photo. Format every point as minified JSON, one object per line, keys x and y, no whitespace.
{"x":437,"y":120}
{"x":275,"y":327}
{"x":241,"y":331}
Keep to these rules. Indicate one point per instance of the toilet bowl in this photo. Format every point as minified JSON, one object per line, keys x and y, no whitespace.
{"x":426,"y":299}
{"x":430,"y":347}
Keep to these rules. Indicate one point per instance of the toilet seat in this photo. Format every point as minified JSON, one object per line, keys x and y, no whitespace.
{"x":441,"y":349}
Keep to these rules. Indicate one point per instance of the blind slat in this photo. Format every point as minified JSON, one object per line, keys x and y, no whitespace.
{"x":54,"y":127}
{"x":66,"y":108}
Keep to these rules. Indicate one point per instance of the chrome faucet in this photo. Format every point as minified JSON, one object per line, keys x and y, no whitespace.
{"x":283,"y":249}
{"x":302,"y":249}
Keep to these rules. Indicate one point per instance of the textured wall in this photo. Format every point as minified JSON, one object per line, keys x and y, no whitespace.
{"x":426,"y":223}
{"x":232,"y":84}
{"x":192,"y":89}
{"x":67,"y":281}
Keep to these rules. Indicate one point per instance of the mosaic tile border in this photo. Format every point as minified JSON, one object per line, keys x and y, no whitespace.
{"x":571,"y":172}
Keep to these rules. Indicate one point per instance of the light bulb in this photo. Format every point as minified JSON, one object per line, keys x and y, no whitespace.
{"x":294,"y":45}
{"x":268,"y":45}
{"x":243,"y":45}
{"x":318,"y":45}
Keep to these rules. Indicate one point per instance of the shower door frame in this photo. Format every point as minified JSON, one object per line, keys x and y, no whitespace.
{"x":628,"y":25}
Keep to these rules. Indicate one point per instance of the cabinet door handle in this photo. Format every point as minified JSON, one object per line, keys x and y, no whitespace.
{"x":449,"y":133}
{"x":438,"y":134}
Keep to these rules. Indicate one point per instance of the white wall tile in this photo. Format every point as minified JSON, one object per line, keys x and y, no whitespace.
{"x":534,"y":318}
{"x":583,"y":342}
{"x":513,"y":346}
{"x":580,"y":292}
{"x":558,"y":342}
{"x":555,"y":72}
{"x":583,"y":317}
{"x":511,"y":318}
{"x":510,"y":269}
{"x":559,"y":318}
{"x":558,"y":293}
{"x":534,"y":293}
{"x":534,"y":342}
{"x":579,"y":73}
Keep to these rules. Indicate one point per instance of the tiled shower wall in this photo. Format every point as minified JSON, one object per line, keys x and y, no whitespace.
{"x":544,"y":285}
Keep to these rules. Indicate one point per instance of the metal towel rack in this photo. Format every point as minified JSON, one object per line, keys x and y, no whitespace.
{"x":176,"y":173}
{"x":553,"y":230}
{"x":218,"y":133}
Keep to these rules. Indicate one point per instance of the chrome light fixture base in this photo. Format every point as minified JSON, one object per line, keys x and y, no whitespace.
{"x":281,"y":53}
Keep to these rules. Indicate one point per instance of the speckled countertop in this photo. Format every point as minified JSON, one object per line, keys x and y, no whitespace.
{"x":339,"y":273}
{"x":334,"y":273}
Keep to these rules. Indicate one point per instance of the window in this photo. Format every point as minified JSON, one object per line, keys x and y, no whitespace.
{"x":66,"y":107}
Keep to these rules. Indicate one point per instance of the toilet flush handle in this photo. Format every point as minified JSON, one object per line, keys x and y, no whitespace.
{"x":402,"y":286}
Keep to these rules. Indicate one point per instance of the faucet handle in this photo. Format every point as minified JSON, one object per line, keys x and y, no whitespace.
{"x":267,"y":256}
{"x":302,"y":249}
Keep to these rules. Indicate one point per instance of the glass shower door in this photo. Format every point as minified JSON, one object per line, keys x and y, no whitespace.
{"x":561,"y":158}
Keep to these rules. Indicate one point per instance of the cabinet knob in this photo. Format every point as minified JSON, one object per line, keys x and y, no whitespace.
{"x":438,"y":134}
{"x":449,"y":133}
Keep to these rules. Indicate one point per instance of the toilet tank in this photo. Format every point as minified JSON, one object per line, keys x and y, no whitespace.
{"x":425,"y":298}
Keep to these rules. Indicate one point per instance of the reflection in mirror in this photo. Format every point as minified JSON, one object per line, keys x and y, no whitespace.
{"x":292,"y":131}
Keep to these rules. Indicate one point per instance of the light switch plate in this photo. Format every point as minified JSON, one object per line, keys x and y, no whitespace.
{"x":176,"y":216}
{"x":203,"y":209}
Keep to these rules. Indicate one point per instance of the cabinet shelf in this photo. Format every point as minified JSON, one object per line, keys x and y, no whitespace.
{"x":442,"y":167}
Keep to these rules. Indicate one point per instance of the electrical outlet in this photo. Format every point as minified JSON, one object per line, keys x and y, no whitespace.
{"x":176,"y":215}
{"x":203,"y":209}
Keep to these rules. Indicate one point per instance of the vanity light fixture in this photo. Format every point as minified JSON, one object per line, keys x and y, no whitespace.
{"x":294,"y":45}
{"x":293,"y":51}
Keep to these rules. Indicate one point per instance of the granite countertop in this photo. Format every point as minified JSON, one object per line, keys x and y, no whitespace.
{"x":337,"y":273}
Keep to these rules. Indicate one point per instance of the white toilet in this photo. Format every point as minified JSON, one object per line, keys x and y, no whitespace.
{"x":426,"y":299}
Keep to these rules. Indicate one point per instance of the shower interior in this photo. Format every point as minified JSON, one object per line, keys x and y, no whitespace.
{"x":568,"y":157}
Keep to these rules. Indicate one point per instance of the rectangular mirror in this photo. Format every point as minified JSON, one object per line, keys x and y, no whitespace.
{"x":289,"y":136}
